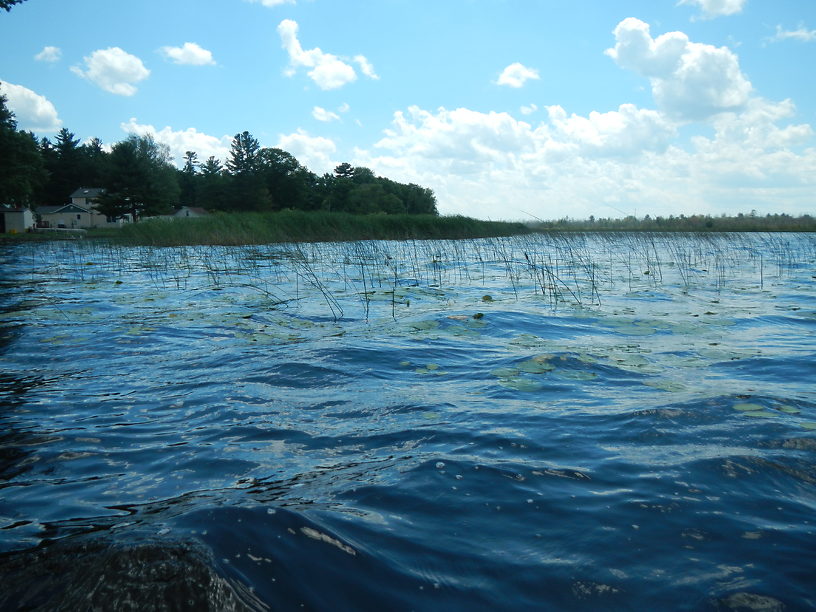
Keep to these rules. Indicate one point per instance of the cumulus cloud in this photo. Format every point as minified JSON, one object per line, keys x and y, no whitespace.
{"x":516,"y":75}
{"x":365,"y":67}
{"x":491,"y":165}
{"x":801,"y":34}
{"x":314,"y":152}
{"x":113,"y":70}
{"x":529,"y":109}
{"x":32,"y":111}
{"x":690,"y":81}
{"x":181,"y":141}
{"x":189,"y":54}
{"x":328,"y":71}
{"x":628,"y":131}
{"x":717,"y":8}
{"x":271,"y":3}
{"x":49,"y":54}
{"x":321,"y":114}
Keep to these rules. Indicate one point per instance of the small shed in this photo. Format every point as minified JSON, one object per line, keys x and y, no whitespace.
{"x":14,"y":220}
{"x":189,"y":212}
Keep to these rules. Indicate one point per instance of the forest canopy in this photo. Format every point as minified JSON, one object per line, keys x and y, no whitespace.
{"x":139,"y":178}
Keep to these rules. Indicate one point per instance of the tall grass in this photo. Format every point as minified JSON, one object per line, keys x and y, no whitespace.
{"x":232,"y":229}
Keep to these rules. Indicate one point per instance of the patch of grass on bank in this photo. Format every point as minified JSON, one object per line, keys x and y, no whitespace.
{"x":42,"y":236}
{"x":299,"y":226}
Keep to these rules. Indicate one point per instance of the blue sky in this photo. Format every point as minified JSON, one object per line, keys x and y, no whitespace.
{"x":507,"y":109}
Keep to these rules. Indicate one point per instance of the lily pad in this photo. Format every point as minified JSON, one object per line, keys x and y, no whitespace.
{"x":672,"y":386}
{"x":528,"y":341}
{"x":760,"y":414}
{"x":748,"y":407}
{"x":520,"y":384}
{"x":535,"y":366}
{"x":424,"y":325}
{"x":505,"y":372}
{"x":577,"y":374}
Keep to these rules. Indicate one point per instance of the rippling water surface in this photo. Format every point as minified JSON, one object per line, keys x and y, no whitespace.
{"x":608,"y":422}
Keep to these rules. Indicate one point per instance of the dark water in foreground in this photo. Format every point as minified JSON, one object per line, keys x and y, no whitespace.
{"x":520,"y":424}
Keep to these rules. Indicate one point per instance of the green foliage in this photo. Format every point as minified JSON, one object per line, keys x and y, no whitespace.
{"x":7,"y":4}
{"x":141,"y":180}
{"x":22,"y":173}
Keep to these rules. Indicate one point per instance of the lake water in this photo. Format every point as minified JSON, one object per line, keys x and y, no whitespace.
{"x":542,"y":422}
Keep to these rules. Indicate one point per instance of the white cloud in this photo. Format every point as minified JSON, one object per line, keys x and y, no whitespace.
{"x":529,"y":109}
{"x":717,"y":8}
{"x":490,"y":165}
{"x":271,"y":3}
{"x":344,"y":107}
{"x":365,"y":67}
{"x":181,"y":141}
{"x":628,"y":131}
{"x":690,"y":81}
{"x":516,"y":75}
{"x":113,"y":70}
{"x":49,"y":54}
{"x":314,"y":152}
{"x":327,"y":70}
{"x":321,"y":114}
{"x":32,"y":111}
{"x":623,"y":161}
{"x":189,"y":54}
{"x":802,"y":34}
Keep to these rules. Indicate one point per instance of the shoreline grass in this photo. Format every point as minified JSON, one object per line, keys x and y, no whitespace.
{"x":293,"y":226}
{"x":232,"y":229}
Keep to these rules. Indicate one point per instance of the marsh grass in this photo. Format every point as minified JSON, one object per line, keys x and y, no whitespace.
{"x":355,"y":278}
{"x":234,"y":229}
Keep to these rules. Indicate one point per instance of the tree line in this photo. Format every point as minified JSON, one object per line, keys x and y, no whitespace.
{"x":140,"y":179}
{"x":741,"y":222}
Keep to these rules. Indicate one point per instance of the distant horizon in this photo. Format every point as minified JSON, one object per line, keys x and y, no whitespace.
{"x":506,"y":111}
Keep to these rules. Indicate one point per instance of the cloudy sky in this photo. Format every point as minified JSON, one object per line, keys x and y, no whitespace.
{"x":507,"y":109}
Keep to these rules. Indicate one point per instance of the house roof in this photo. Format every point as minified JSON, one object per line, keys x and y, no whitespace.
{"x":88,"y":192}
{"x":12,"y":209}
{"x":65,"y":208}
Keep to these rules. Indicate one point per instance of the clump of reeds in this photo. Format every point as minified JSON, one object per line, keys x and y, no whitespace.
{"x":300,"y":226}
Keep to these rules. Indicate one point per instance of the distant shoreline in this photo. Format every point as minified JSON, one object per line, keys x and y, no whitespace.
{"x":245,"y":228}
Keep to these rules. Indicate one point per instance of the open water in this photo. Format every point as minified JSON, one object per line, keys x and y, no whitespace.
{"x":616,"y":422}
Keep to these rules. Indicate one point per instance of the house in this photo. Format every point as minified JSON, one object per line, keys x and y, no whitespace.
{"x":14,"y":220}
{"x":80,"y":213}
{"x":68,"y":216}
{"x":190,"y":212}
{"x":86,"y":196}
